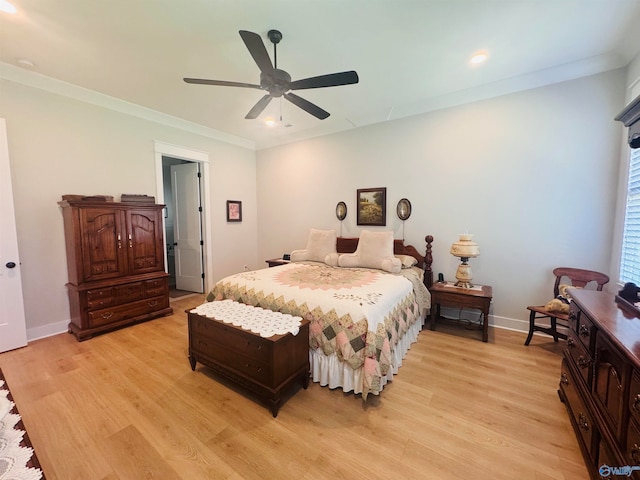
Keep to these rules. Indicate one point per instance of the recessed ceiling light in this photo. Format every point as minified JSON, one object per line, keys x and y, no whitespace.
{"x":270,"y":122}
{"x":7,"y":7}
{"x":479,"y":57}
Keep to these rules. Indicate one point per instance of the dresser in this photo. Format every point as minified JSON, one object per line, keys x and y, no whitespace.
{"x":115,"y":263}
{"x":600,"y":383}
{"x":266,"y":367}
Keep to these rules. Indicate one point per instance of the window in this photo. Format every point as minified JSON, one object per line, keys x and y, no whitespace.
{"x":630,"y":255}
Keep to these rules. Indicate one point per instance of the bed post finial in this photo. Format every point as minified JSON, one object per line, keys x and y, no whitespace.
{"x":428,"y":260}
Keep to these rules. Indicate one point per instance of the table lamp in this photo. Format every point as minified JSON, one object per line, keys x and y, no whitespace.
{"x":465,"y":249}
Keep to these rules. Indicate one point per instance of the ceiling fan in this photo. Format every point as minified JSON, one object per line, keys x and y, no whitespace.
{"x":278,"y":82}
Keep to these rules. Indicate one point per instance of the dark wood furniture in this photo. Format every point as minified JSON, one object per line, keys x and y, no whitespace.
{"x":576,"y":277}
{"x":267,"y":367}
{"x":443,"y":294}
{"x":274,"y":262}
{"x":630,"y":116}
{"x":115,"y":260}
{"x":600,"y":382}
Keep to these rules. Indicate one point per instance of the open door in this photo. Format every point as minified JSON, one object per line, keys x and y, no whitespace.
{"x":13,"y":330}
{"x":188,"y":245}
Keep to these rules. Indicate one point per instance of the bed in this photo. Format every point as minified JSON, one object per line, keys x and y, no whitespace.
{"x":363,"y":316}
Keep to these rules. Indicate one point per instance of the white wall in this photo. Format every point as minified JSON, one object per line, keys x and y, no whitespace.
{"x":532,"y":174}
{"x":62,"y":146}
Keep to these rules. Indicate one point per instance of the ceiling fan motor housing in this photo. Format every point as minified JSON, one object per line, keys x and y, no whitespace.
{"x":276,"y":82}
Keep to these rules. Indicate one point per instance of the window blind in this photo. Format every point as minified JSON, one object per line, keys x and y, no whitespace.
{"x":630,"y":255}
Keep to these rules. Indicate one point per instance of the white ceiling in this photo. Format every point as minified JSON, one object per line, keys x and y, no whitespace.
{"x":411,"y":56}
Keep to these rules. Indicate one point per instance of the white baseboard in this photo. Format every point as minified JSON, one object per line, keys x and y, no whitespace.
{"x":48,"y":330}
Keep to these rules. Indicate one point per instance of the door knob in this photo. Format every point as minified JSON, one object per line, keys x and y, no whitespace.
{"x":10,"y":265}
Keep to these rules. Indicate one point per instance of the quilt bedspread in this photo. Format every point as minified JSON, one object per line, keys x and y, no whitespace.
{"x":358,"y":314}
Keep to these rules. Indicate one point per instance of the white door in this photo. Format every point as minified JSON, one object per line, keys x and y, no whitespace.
{"x":13,"y":330}
{"x":187,"y":227}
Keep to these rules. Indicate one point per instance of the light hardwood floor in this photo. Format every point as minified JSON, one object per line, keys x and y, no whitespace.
{"x":126,"y":405}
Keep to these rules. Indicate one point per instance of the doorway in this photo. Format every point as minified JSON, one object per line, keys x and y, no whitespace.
{"x":188,"y":199}
{"x":182,"y":189}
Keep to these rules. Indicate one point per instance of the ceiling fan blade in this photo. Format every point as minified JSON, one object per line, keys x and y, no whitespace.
{"x":258,"y":107}
{"x":258,"y":51}
{"x":307,"y":106}
{"x":330,"y":80}
{"x":222,"y":83}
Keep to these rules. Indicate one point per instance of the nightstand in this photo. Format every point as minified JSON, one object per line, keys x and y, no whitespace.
{"x":274,"y":262}
{"x":447,"y":294}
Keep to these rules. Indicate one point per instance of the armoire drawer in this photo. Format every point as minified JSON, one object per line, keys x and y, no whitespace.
{"x":126,"y":311}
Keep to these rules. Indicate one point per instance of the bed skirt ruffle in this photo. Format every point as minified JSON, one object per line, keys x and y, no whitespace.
{"x":327,"y":370}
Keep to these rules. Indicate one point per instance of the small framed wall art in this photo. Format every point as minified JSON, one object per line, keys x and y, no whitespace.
{"x":372,"y":206}
{"x":234,"y":211}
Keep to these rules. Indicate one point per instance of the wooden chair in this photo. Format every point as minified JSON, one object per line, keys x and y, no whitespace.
{"x":570,"y":276}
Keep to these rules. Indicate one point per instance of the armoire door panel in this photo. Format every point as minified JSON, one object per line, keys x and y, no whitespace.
{"x":102,"y":244}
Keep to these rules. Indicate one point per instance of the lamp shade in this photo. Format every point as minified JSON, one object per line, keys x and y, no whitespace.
{"x":465,"y":247}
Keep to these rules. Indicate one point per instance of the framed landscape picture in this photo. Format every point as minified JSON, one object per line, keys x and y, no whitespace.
{"x":234,"y":211}
{"x":372,"y":206}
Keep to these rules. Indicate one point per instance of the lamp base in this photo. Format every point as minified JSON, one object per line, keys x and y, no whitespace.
{"x":463,"y":275}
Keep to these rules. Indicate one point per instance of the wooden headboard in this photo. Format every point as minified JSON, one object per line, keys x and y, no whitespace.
{"x":349,"y":245}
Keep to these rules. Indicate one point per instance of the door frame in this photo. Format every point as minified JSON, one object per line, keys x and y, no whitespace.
{"x":184,"y":153}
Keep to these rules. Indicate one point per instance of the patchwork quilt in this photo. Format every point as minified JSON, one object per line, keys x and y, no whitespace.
{"x":357,"y":313}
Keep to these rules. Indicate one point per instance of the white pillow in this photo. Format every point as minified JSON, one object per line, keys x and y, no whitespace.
{"x":407,"y":260}
{"x":375,"y":250}
{"x":321,"y":247}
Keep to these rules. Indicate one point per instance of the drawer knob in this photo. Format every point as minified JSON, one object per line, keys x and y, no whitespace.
{"x":583,"y":362}
{"x":636,"y":403}
{"x":584,"y":330}
{"x":572,"y":315}
{"x":570,"y":342}
{"x":564,"y":379}
{"x":153,"y":303}
{"x":582,"y":422}
{"x":107,"y":315}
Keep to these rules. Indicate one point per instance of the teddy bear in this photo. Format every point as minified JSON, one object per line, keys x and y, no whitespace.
{"x":560,"y":304}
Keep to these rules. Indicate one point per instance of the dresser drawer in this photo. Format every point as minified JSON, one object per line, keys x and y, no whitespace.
{"x":581,"y":418}
{"x":126,"y":311}
{"x":632,"y":452}
{"x":580,"y":357}
{"x":100,"y":298}
{"x":129,"y":292}
{"x":153,"y":288}
{"x":251,"y":346}
{"x":634,"y":396}
{"x":585,"y":331}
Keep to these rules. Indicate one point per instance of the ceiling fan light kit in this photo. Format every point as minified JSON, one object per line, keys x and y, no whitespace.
{"x":277,"y":82}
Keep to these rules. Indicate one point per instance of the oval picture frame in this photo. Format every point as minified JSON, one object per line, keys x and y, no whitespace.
{"x":403,"y":210}
{"x":341,"y":211}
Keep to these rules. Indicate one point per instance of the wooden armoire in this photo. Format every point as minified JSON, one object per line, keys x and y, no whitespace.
{"x":115,"y":259}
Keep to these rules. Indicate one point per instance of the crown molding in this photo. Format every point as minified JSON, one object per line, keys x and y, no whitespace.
{"x":58,"y":87}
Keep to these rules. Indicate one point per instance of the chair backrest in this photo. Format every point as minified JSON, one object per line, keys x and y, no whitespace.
{"x":578,"y":278}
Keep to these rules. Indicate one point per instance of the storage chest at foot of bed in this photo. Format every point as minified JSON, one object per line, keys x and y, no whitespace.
{"x":267,"y":367}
